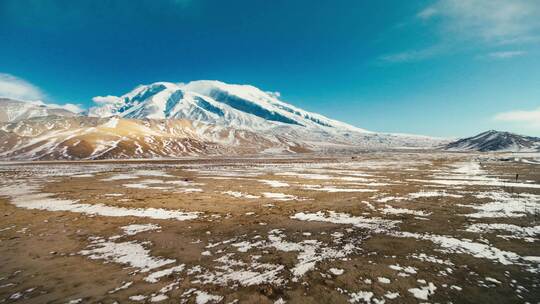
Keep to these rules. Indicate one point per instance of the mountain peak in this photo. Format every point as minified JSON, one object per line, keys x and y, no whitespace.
{"x":496,"y":141}
{"x":214,"y":102}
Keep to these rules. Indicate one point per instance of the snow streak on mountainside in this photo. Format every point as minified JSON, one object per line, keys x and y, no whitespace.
{"x":14,"y":110}
{"x":496,"y":141}
{"x":48,"y":138}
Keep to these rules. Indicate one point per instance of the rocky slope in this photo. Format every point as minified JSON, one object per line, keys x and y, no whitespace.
{"x":48,"y":138}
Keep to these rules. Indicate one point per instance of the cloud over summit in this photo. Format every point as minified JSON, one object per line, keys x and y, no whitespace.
{"x":17,"y":88}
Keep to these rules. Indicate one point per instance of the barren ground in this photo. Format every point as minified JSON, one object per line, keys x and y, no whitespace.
{"x":382,"y":227}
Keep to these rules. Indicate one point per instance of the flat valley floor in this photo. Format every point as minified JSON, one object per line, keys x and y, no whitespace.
{"x":373,"y":228}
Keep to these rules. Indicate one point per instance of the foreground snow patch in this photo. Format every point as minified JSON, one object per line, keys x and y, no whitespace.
{"x":391,"y":210}
{"x":274,"y":183}
{"x":138,"y":228}
{"x":374,"y":224}
{"x":131,"y":253}
{"x":155,"y":276}
{"x":505,"y":205}
{"x":28,"y":197}
{"x":423,"y":292}
{"x":333,"y":189}
{"x":137,"y":174}
{"x":204,"y":297}
{"x":237,"y":272}
{"x":478,"y":250}
{"x":310,"y":252}
{"x":279,"y":196}
{"x":240,"y":194}
{"x":516,"y":232}
{"x":433,"y":194}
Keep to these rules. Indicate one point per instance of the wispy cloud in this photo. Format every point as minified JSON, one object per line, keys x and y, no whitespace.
{"x":416,"y":55}
{"x":469,"y":24}
{"x":16,"y":88}
{"x":492,"y":21}
{"x":408,"y":56}
{"x":106,"y":99}
{"x":505,"y":54}
{"x":19,"y":89}
{"x":68,"y":106}
{"x":527,"y":119}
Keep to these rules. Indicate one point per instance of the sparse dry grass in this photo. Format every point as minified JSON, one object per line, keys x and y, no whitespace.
{"x":40,"y":249}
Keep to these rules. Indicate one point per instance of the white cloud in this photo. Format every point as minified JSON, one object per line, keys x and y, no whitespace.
{"x":68,"y":106}
{"x":476,"y":24}
{"x":529,"y":119}
{"x":20,"y":89}
{"x":505,"y":54}
{"x":106,"y":99}
{"x":492,"y":21}
{"x":16,"y":88}
{"x":413,"y":55}
{"x":274,"y":94}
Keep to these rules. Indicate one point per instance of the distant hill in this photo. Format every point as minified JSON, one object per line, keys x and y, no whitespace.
{"x":14,"y":110}
{"x":496,"y":141}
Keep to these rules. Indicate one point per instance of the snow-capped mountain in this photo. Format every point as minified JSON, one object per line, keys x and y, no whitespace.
{"x":14,"y":110}
{"x":212,"y":102}
{"x":495,"y":141}
{"x":244,"y":107}
{"x":198,"y":118}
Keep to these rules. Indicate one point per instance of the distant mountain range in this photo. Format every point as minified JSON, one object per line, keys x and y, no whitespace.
{"x":170,"y":120}
{"x":495,"y":141}
{"x":165,"y":119}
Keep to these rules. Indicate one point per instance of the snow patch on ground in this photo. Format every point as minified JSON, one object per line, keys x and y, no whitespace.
{"x":471,"y":174}
{"x":29,"y":197}
{"x":273,"y":183}
{"x":505,"y":205}
{"x":336,"y":271}
{"x":240,"y":194}
{"x":333,"y":189}
{"x":433,"y":194}
{"x":155,"y":276}
{"x":516,"y":232}
{"x":391,"y":210}
{"x":204,"y":297}
{"x":132,"y":253}
{"x":478,"y":250}
{"x":237,"y":272}
{"x":279,"y":196}
{"x":423,"y":292}
{"x":138,"y":228}
{"x":374,"y":224}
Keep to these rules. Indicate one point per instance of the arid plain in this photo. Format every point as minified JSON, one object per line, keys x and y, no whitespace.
{"x":386,"y":227}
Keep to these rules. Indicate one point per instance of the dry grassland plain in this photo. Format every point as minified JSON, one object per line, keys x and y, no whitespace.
{"x":376,"y":228}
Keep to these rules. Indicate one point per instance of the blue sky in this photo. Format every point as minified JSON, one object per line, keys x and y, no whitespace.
{"x":441,"y":67}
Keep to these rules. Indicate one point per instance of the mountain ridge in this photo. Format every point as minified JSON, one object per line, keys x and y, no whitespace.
{"x":496,"y":141}
{"x":165,"y":119}
{"x":12,"y":110}
{"x":210,"y":101}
